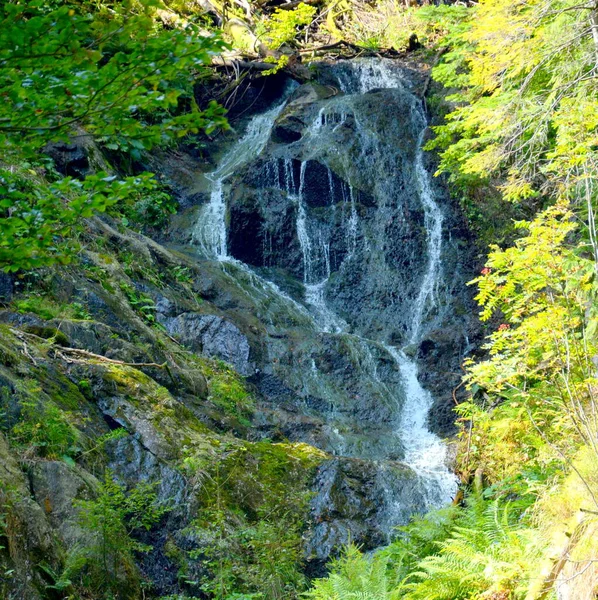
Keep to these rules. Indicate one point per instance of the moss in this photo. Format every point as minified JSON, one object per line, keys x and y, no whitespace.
{"x":127,"y":378}
{"x":40,"y":306}
{"x":59,"y":389}
{"x":84,"y":386}
{"x":48,"y":333}
{"x":227,"y":389}
{"x":8,"y":357}
{"x":106,"y":258}
{"x":170,"y":417}
{"x":47,"y":308}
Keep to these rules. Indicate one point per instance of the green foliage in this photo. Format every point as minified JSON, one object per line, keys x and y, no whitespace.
{"x":227,"y":389}
{"x":419,"y":539}
{"x":255,"y":501}
{"x":37,"y":305}
{"x":44,"y":430}
{"x":71,"y":69}
{"x":143,"y":305}
{"x":355,"y":577}
{"x":491,"y":559}
{"x":107,"y":68}
{"x":48,"y":308}
{"x":148,"y":205}
{"x":485,"y":550}
{"x":525,"y":112}
{"x":539,"y":367}
{"x":386,"y":24}
{"x":105,"y":565}
{"x":278,"y":64}
{"x":284,"y":25}
{"x":34,"y":213}
{"x":182,"y":274}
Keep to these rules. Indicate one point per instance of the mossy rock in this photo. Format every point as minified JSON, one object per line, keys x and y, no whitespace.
{"x":48,"y":333}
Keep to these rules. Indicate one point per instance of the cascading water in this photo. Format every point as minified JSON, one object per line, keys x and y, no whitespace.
{"x":424,"y":452}
{"x":210,"y":230}
{"x":319,"y":182}
{"x":433,"y":223}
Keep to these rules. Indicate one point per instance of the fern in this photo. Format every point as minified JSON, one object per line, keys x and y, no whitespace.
{"x":485,"y":550}
{"x":493,"y":554}
{"x":355,"y":576}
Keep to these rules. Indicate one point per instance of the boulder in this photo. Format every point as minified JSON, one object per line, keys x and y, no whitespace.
{"x":355,"y":501}
{"x":56,"y":487}
{"x":213,"y":336}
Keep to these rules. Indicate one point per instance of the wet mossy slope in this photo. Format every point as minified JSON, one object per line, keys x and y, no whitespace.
{"x":107,"y":415}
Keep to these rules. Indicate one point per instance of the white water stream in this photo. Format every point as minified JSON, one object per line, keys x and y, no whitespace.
{"x":210,"y":229}
{"x":425,"y":453}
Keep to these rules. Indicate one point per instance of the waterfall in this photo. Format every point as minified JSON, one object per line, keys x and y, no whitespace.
{"x":425,"y":453}
{"x":315,"y":249}
{"x":433,"y":220}
{"x":286,"y":170}
{"x":210,"y":230}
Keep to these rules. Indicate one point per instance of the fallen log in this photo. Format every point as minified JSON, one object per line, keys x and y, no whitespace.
{"x":243,"y":63}
{"x":358,"y":50}
{"x":293,"y":4}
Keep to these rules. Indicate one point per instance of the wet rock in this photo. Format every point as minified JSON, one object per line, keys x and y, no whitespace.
{"x":139,"y":421}
{"x":355,"y":500}
{"x":6,"y":288}
{"x":89,"y":335}
{"x":213,"y":336}
{"x":69,"y":159}
{"x":132,"y":463}
{"x":336,"y":199}
{"x":290,"y":125}
{"x":256,"y":95}
{"x":262,"y":229}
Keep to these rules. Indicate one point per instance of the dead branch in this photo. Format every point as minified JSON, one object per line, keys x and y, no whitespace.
{"x":293,"y":4}
{"x":560,"y":563}
{"x":251,"y":65}
{"x":90,"y":355}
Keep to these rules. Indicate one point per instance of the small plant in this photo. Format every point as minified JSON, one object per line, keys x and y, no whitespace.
{"x":149,"y":206}
{"x":47,"y":308}
{"x":144,"y":306}
{"x":38,"y":305}
{"x":355,"y":576}
{"x":80,"y":311}
{"x":182,"y":274}
{"x":227,"y":389}
{"x":105,"y":566}
{"x":284,"y":25}
{"x":95,"y":453}
{"x":44,"y":430}
{"x":277,"y":64}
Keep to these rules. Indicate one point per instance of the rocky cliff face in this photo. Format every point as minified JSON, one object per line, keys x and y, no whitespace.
{"x":328,"y":196}
{"x":267,"y":353}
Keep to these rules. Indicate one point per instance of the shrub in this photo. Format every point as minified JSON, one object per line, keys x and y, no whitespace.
{"x":105,"y":565}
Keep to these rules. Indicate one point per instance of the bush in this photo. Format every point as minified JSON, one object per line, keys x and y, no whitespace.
{"x":44,"y":430}
{"x":283,"y":26}
{"x":105,"y":565}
